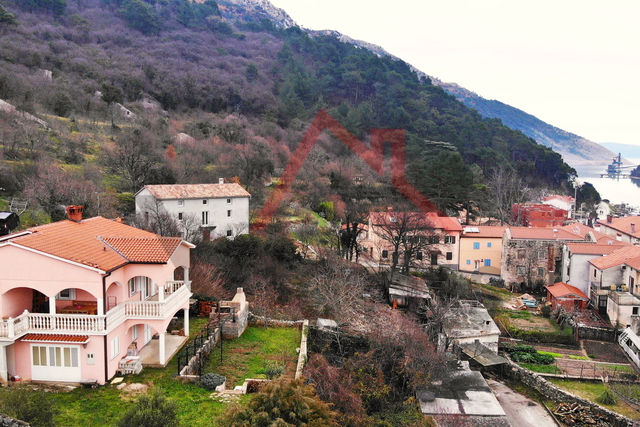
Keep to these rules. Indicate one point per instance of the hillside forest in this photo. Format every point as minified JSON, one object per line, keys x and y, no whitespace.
{"x":101,"y":97}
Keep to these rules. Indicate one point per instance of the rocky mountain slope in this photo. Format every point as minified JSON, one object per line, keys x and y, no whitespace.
{"x":575,"y":149}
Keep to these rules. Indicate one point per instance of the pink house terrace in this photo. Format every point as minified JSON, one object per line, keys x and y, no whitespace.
{"x":75,"y":295}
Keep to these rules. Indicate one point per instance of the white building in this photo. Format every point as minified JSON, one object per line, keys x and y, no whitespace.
{"x":561,"y":202}
{"x":217,"y":209}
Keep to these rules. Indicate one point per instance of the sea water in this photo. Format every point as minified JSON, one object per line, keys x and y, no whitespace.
{"x":616,"y":190}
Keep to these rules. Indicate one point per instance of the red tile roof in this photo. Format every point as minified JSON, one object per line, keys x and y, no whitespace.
{"x":61,"y":338}
{"x":196,"y":191}
{"x":617,"y":257}
{"x":562,"y":290}
{"x":99,"y":242}
{"x":634,"y":263}
{"x":542,"y":233}
{"x":624,"y":225}
{"x":428,"y":219}
{"x":592,"y":248}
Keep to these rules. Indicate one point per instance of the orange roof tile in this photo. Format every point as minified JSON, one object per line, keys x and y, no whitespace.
{"x":196,"y":191}
{"x":592,"y":248}
{"x":624,"y":225}
{"x":428,"y":219}
{"x":61,"y":338}
{"x":141,"y":249}
{"x":562,"y":290}
{"x":98,"y":242}
{"x":617,"y":257}
{"x":634,"y":263}
{"x":542,"y":233}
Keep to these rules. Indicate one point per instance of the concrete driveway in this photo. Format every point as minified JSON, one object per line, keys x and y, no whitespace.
{"x":521,"y":411}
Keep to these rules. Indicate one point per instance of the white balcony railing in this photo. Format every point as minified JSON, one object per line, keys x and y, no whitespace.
{"x":91,"y":324}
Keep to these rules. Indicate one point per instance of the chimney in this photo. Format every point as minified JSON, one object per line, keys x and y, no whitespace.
{"x":389,"y":208}
{"x":220,"y":180}
{"x":74,"y":213}
{"x":633,"y":228}
{"x":609,"y":219}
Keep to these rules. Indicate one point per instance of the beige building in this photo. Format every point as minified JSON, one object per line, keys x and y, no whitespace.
{"x":481,"y":249}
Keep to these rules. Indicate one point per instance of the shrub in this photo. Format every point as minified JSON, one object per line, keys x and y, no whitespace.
{"x":607,"y":397}
{"x":152,"y":410}
{"x":273,"y":370}
{"x":32,"y":406}
{"x":498,"y":283}
{"x":210,"y":381}
{"x":546,"y":311}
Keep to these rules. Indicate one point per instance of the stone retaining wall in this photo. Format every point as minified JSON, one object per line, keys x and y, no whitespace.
{"x":516,"y":373}
{"x":255,"y":320}
{"x":6,"y":421}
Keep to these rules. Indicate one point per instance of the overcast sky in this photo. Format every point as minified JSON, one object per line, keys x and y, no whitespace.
{"x":573,"y":64}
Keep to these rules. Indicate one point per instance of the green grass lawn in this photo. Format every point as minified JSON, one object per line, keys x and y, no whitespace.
{"x":246,"y":356}
{"x":590,"y":390}
{"x":503,"y":294}
{"x":543,"y":369}
{"x":105,"y":405}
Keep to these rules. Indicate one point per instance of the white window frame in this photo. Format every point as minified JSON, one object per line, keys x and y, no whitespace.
{"x":115,"y":347}
{"x":134,"y":332}
{"x":229,"y":233}
{"x":180,"y":203}
{"x":70,"y":296}
{"x":205,"y":201}
{"x":180,"y":216}
{"x":228,"y":201}
{"x":205,"y":217}
{"x":228,"y":213}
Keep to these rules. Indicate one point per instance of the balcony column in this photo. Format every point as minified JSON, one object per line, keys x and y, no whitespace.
{"x":161,"y":353}
{"x":4,"y":370}
{"x":186,"y":322}
{"x":52,"y":305}
{"x":100,"y":302}
{"x":161,"y":293}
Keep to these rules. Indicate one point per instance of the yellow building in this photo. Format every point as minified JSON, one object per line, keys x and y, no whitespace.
{"x":481,"y":249}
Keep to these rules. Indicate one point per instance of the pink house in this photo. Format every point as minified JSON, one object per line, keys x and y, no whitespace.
{"x":76,"y":295}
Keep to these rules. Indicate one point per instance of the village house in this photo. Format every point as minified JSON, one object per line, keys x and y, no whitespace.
{"x":608,"y":274}
{"x":566,"y":203}
{"x":626,"y":229}
{"x":538,"y":215}
{"x":576,"y":256}
{"x":80,"y":296}
{"x":575,"y":262}
{"x":531,"y":257}
{"x":469,"y":322}
{"x":481,"y":249}
{"x":435,"y":239}
{"x":220,"y":209}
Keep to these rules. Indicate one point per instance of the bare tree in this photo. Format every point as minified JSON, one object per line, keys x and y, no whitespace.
{"x":132,"y":158}
{"x":336,"y":288}
{"x":505,"y":189}
{"x":407,"y":233}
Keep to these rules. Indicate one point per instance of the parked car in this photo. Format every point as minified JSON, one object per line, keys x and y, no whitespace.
{"x":9,"y":221}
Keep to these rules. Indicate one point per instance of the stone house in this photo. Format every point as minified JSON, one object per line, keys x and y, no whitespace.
{"x":531,"y":257}
{"x":626,"y":229}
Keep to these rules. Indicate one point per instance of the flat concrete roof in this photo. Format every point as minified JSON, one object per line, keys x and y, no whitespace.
{"x":462,"y":392}
{"x":469,"y":322}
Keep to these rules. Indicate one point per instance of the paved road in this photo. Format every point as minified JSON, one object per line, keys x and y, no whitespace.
{"x":521,"y":411}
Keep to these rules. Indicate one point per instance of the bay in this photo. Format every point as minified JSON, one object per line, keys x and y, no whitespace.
{"x":616,"y":190}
